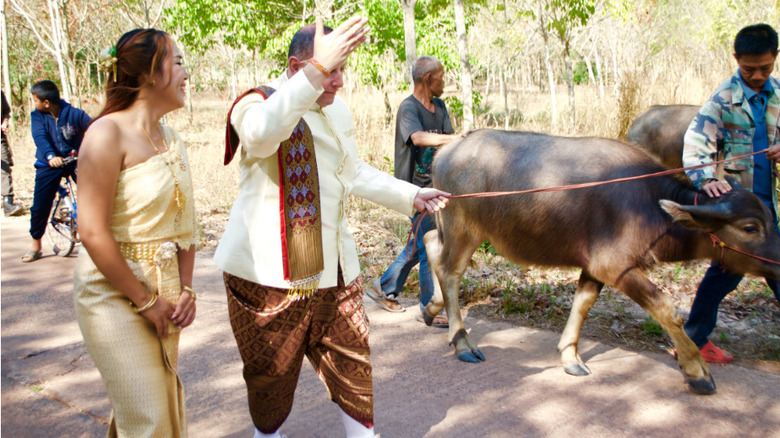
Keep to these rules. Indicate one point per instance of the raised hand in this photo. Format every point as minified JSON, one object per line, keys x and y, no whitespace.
{"x":332,"y":50}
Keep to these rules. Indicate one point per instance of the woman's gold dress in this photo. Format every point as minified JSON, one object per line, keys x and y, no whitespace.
{"x":137,"y":367}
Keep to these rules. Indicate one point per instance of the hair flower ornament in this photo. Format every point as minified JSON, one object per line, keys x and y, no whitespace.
{"x":108,"y":60}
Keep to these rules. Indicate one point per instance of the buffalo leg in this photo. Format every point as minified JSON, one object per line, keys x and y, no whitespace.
{"x":433,"y":249}
{"x":661,"y":307}
{"x":449,"y":262}
{"x":587,"y":291}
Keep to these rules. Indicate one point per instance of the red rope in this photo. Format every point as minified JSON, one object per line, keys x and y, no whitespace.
{"x":715,"y":240}
{"x":412,"y":237}
{"x":599,"y":183}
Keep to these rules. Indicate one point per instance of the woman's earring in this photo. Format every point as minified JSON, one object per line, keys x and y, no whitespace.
{"x":154,"y":83}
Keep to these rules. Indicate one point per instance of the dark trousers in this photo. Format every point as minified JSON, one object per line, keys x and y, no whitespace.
{"x":714,"y":287}
{"x":47,"y":183}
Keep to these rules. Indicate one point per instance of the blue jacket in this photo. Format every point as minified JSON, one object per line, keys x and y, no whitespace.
{"x":57,"y":138}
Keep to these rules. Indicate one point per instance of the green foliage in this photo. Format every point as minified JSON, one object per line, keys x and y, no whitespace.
{"x":265,"y":26}
{"x":581,"y":73}
{"x":652,"y":328}
{"x":568,"y":14}
{"x":386,"y":37}
{"x":455,"y":105}
{"x":620,"y":9}
{"x":436,"y":35}
{"x":487,"y":248}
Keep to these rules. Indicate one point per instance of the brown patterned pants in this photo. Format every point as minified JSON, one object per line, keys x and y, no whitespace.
{"x":273,"y":334}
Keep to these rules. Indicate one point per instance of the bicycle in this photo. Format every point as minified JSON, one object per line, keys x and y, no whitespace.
{"x":63,"y":234}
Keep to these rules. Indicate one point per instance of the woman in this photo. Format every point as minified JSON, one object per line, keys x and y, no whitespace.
{"x":132,"y":285}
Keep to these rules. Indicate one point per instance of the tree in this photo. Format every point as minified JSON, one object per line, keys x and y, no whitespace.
{"x":465,"y":67}
{"x":548,"y":67}
{"x":563,"y":17}
{"x":410,"y":35}
{"x":6,"y":76}
{"x":50,"y":35}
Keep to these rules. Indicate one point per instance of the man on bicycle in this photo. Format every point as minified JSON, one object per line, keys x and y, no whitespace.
{"x":57,"y":129}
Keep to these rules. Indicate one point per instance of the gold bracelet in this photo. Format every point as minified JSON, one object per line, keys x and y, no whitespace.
{"x":319,"y":66}
{"x":146,"y":306}
{"x":192,"y":292}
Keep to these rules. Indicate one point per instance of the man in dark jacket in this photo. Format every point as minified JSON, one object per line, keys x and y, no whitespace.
{"x":57,"y":129}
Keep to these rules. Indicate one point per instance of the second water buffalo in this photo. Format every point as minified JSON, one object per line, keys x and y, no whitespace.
{"x":660,"y":131}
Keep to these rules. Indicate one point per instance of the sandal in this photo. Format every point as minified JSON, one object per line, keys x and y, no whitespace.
{"x":31,"y":256}
{"x":439,"y":321}
{"x":378,"y":295}
{"x":713,"y":354}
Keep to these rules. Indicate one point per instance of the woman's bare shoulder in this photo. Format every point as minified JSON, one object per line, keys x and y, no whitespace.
{"x":103,"y":137}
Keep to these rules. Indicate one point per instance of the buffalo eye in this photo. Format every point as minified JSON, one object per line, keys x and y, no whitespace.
{"x":750,"y":229}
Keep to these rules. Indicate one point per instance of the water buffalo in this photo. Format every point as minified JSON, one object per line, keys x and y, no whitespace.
{"x":614,"y":232}
{"x":660,"y":131}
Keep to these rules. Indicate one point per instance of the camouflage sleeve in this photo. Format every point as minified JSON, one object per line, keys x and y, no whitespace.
{"x":701,"y":141}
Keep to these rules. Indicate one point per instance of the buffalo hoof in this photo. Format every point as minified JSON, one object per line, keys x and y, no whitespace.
{"x":705,"y":386}
{"x":576,"y":369}
{"x":471,"y":356}
{"x":427,"y":318}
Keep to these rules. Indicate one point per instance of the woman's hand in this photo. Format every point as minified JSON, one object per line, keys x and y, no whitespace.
{"x":160,"y":313}
{"x":184,"y":314}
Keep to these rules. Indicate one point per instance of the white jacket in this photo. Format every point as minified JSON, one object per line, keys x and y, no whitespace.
{"x":251,"y":246}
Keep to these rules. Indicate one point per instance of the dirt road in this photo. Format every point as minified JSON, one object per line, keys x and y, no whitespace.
{"x":50,"y":386}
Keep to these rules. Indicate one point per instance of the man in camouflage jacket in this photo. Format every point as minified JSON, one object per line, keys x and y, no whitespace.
{"x":741,"y":117}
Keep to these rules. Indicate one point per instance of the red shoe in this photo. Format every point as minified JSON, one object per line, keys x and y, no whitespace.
{"x":713,"y":354}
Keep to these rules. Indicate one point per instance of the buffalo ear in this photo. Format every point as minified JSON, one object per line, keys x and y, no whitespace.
{"x":734,"y":183}
{"x":705,"y":218}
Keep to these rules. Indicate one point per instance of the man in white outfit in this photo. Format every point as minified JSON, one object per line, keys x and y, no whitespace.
{"x":290,"y":264}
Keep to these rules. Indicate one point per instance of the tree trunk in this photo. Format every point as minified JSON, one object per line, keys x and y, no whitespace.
{"x":505,"y":93}
{"x":599,"y":72}
{"x":569,"y":82}
{"x":233,"y":93}
{"x":189,"y":89}
{"x":410,"y":36}
{"x":87,"y":75}
{"x":548,"y":66}
{"x":6,"y":74}
{"x":465,"y":67}
{"x":503,"y":77}
{"x":56,"y":35}
{"x":101,"y":94}
{"x":487,"y":81}
{"x":615,"y":72}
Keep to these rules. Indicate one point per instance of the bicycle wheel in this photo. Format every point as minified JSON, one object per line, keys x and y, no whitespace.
{"x":62,"y":233}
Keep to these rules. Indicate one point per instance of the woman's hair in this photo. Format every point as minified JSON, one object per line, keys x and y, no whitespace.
{"x":139,"y":56}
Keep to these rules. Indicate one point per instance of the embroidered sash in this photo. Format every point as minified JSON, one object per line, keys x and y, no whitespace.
{"x":299,"y":203}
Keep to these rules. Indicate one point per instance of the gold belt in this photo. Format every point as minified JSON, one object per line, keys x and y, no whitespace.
{"x":158,"y":253}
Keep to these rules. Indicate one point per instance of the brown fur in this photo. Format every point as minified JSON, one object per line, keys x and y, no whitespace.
{"x":660,"y":131}
{"x":613,"y":232}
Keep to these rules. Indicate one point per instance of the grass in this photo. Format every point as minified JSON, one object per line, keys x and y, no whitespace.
{"x":493,"y":287}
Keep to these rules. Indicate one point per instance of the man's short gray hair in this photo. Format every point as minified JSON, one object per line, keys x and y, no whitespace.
{"x":424,"y":65}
